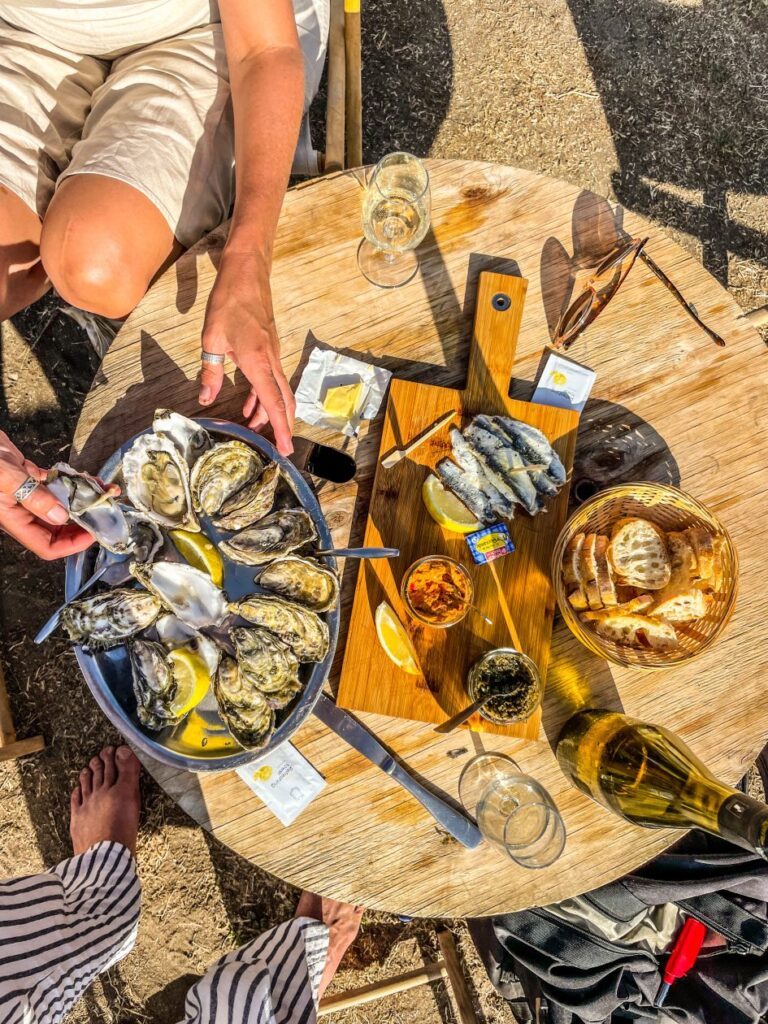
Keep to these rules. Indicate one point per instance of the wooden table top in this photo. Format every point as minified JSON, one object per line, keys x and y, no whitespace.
{"x":667,"y":405}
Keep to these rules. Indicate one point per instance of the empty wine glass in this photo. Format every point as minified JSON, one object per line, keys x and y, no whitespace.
{"x":396,"y":212}
{"x":512,"y":810}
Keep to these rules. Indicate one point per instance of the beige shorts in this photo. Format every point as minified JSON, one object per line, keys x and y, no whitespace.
{"x":157,"y":118}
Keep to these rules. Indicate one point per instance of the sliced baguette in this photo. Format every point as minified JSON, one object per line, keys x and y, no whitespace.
{"x":658,"y":633}
{"x":572,"y":560}
{"x":702,"y":542}
{"x":604,"y":574}
{"x":681,"y":604}
{"x":578,"y":600}
{"x":633,"y":628}
{"x":718,"y":542}
{"x":638,"y":554}
{"x":682,"y":559}
{"x":589,"y":572}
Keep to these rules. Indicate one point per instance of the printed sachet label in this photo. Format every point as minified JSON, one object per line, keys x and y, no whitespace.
{"x":284,"y":780}
{"x":490,"y":543}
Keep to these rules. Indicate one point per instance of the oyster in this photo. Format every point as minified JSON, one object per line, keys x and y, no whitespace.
{"x":172,"y":633}
{"x":233,"y":484}
{"x":157,"y":482}
{"x":166,"y":686}
{"x":190,"y":594}
{"x":116,"y":527}
{"x":191,"y":439}
{"x":243,"y":708}
{"x":303,"y":630}
{"x":303,"y":580}
{"x":277,"y":534}
{"x":268,"y":663}
{"x":109,"y":619}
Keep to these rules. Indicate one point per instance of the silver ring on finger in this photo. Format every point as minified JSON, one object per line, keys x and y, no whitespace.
{"x":212,"y":358}
{"x":23,"y":492}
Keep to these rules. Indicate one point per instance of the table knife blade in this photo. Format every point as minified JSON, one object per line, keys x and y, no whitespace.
{"x":364,"y":742}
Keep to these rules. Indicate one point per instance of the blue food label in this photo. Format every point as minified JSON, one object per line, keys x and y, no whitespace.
{"x":490,"y":543}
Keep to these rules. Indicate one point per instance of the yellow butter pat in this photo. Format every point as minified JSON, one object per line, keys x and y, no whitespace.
{"x":341,"y":402}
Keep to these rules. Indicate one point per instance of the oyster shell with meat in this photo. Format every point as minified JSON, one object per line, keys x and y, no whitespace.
{"x":303,"y":580}
{"x":189,"y":593}
{"x":234,"y":485}
{"x":109,"y":619}
{"x":190,"y":438}
{"x":156,"y":479}
{"x":303,"y":630}
{"x":268,"y":663}
{"x":169,"y":684}
{"x":275,"y":535}
{"x":116,"y":527}
{"x":243,"y":708}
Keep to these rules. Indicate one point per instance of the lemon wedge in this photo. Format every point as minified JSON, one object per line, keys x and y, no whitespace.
{"x":395,"y":641}
{"x":200,"y":552}
{"x":190,"y":672}
{"x":446,"y":509}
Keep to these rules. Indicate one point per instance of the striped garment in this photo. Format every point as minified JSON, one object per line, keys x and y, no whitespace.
{"x":60,"y":929}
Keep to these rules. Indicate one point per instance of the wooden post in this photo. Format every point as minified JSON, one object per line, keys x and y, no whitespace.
{"x":380,"y":989}
{"x":10,"y":747}
{"x":354,"y":101}
{"x":757,"y":317}
{"x":456,"y":979}
{"x":334,"y":117}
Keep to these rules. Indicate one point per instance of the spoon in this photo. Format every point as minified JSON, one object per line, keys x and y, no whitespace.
{"x":360,"y":552}
{"x":462,"y":716}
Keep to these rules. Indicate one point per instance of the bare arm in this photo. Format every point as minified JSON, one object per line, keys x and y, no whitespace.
{"x":266,"y":72}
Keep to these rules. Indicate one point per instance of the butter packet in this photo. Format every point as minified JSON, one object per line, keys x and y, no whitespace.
{"x":564,"y":383}
{"x":339,"y":392}
{"x":284,"y":780}
{"x":490,"y":543}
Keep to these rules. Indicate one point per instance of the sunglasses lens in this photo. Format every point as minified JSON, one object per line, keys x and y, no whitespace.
{"x":575,"y":318}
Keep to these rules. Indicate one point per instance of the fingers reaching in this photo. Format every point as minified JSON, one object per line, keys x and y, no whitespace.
{"x":212,"y":374}
{"x":263,"y":377}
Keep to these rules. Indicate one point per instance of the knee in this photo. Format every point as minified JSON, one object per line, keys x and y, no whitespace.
{"x":90,"y":267}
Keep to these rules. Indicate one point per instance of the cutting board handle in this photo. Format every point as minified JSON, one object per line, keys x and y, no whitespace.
{"x":498,"y":313}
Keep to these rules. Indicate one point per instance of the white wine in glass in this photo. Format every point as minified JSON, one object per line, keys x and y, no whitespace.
{"x":396,"y":211}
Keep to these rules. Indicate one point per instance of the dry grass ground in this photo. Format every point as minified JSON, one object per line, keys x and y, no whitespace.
{"x":660,"y":104}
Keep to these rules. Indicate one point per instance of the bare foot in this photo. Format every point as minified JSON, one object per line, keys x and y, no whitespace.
{"x":343,"y":922}
{"x":105,"y":803}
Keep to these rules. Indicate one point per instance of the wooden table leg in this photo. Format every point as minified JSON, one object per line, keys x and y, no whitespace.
{"x":10,"y":747}
{"x":456,"y":979}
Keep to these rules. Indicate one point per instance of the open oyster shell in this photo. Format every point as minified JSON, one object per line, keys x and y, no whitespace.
{"x":190,"y":594}
{"x":116,"y":527}
{"x":242,"y":706}
{"x":303,"y":580}
{"x":156,"y":479}
{"x":109,"y":619}
{"x":190,"y":438}
{"x":234,"y":485}
{"x":277,"y":534}
{"x":153,"y":684}
{"x":268,"y":663}
{"x":298,"y":627}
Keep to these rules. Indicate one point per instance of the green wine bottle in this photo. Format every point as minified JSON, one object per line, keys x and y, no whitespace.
{"x":648,"y":776}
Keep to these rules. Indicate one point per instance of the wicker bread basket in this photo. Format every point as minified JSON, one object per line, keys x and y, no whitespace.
{"x":670,"y":509}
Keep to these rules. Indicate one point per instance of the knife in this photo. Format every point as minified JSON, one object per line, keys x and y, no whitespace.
{"x":364,"y":742}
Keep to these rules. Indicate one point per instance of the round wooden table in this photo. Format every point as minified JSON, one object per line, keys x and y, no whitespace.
{"x":667,"y":404}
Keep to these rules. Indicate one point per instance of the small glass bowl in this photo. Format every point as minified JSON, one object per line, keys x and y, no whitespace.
{"x":473,"y":681}
{"x":419,"y":616}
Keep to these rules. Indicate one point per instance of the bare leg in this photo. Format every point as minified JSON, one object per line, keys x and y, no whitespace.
{"x":343,"y":921}
{"x":22,"y":278}
{"x":103,"y":243}
{"x":105,"y":803}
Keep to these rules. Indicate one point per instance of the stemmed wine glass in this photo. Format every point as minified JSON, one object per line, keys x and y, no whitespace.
{"x":396,"y":212}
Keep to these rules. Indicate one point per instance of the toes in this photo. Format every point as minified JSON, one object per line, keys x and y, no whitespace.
{"x":86,"y":783}
{"x":76,"y":800}
{"x":127,"y":764}
{"x":97,"y":770}
{"x":110,"y":769}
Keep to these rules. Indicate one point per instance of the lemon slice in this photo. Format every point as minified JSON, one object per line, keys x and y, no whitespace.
{"x":200,"y":552}
{"x":446,"y":509}
{"x":395,"y":641}
{"x":190,"y":672}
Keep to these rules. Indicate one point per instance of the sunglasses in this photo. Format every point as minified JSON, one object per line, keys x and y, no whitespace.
{"x":603,"y":285}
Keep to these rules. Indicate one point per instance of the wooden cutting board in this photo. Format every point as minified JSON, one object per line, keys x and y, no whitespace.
{"x":516,"y":586}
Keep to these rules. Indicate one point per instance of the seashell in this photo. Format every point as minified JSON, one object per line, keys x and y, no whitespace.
{"x":157,"y":482}
{"x":303,"y":580}
{"x":190,"y":438}
{"x":243,"y":708}
{"x":268,"y":663}
{"x":109,"y":619}
{"x":234,"y":485}
{"x":190,"y":594}
{"x":298,"y":627}
{"x":274,"y":535}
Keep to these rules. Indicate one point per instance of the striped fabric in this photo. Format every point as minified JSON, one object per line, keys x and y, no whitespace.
{"x":60,"y":929}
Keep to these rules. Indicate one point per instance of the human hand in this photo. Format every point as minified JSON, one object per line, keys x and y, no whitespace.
{"x":41,"y":523}
{"x":239,"y":323}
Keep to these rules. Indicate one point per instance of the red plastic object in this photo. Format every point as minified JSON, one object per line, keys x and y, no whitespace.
{"x":683,"y":956}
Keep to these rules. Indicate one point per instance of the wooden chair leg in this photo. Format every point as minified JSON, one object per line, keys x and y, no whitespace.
{"x":335,"y":109}
{"x":456,"y":979}
{"x":379,"y":989}
{"x":10,"y":747}
{"x":757,"y":317}
{"x":354,"y":99}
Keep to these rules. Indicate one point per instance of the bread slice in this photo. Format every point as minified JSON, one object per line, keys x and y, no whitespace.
{"x":589,"y":572}
{"x":682,"y":558}
{"x":702,"y":542}
{"x":658,"y":633}
{"x":572,"y":560}
{"x":681,"y":604}
{"x":718,"y":543}
{"x":578,"y":599}
{"x":604,"y":573}
{"x":641,"y":603}
{"x":633,"y":629}
{"x":638,"y":554}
